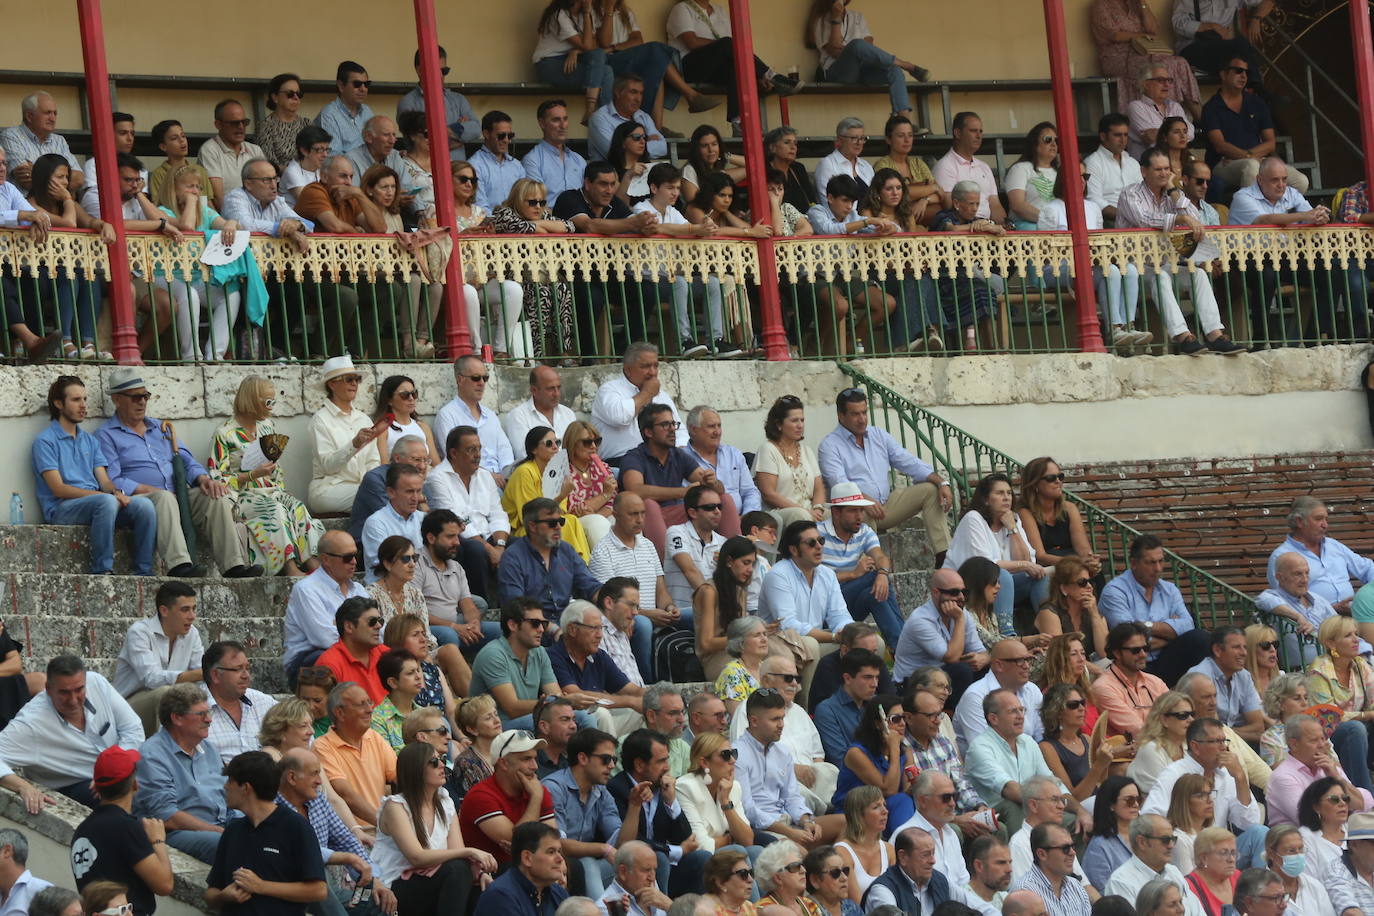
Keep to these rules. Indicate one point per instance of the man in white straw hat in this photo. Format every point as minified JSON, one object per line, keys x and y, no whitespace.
{"x":851,"y":549}
{"x":138,"y":458}
{"x":340,"y":435}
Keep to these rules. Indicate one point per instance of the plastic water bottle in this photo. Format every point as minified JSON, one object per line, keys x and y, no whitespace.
{"x":16,"y":509}
{"x":859,"y":346}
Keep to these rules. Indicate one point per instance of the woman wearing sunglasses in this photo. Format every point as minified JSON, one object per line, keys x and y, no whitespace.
{"x":1065,"y":748}
{"x":1192,"y":805}
{"x":878,"y":756}
{"x":862,"y":846}
{"x":1344,"y":679}
{"x":1053,"y":525}
{"x":526,"y":482}
{"x":593,"y":491}
{"x":782,"y":879}
{"x":283,"y":535}
{"x":828,"y":878}
{"x":410,"y":631}
{"x":399,"y":672}
{"x":1162,"y":739}
{"x":1323,"y":809}
{"x":106,"y":898}
{"x":400,"y":397}
{"x":1118,"y":803}
{"x":1285,"y":696}
{"x":729,"y":883}
{"x":712,"y":800}
{"x":394,"y":589}
{"x":278,"y":131}
{"x":479,"y":721}
{"x":1072,"y":607}
{"x":629,"y":153}
{"x":1262,"y":656}
{"x":420,"y":852}
{"x":547,"y":303}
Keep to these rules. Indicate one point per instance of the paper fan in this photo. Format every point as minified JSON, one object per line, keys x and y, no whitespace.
{"x":1329,"y":716}
{"x":273,"y":445}
{"x":1184,"y":242}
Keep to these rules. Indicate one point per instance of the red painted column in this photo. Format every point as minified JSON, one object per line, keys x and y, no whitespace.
{"x":1061,"y":87}
{"x":458,"y":336}
{"x":1363,"y":49}
{"x":107,"y":174}
{"x":751,"y":124}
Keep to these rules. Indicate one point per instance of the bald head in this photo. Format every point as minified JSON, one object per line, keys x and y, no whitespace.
{"x":946,"y":578}
{"x":298,"y":759}
{"x":333,"y":546}
{"x":628,"y":511}
{"x":337,"y":171}
{"x":1023,"y":903}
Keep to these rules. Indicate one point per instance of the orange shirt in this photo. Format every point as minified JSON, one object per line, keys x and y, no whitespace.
{"x":346,"y":668}
{"x":314,"y":199}
{"x":367,"y":767}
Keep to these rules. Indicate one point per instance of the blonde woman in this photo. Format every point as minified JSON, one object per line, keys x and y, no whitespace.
{"x":283,"y":535}
{"x":862,"y":847}
{"x":593,"y":483}
{"x":712,"y":800}
{"x":1344,"y":679}
{"x":288,"y":725}
{"x":478,"y":720}
{"x":547,"y":304}
{"x":1161,"y":739}
{"x":1213,"y":881}
{"x":1262,"y":656}
{"x":1191,"y":808}
{"x":191,"y":212}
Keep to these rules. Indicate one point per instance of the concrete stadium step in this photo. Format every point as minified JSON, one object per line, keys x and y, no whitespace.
{"x":912,"y":564}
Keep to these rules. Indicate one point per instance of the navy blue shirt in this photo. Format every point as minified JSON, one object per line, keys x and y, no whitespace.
{"x":600,"y":673}
{"x":370,"y":497}
{"x":282,"y":848}
{"x":512,"y":894}
{"x":522,"y":573}
{"x":1242,"y":128}
{"x":671,"y":472}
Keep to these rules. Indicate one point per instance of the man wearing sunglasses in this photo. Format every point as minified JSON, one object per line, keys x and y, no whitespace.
{"x":1052,"y":878}
{"x":1008,"y":670}
{"x":544,"y":407}
{"x":497,"y":170}
{"x":588,"y":820}
{"x":515,"y":670}
{"x":942,"y":633}
{"x":1044,"y":801}
{"x":348,"y":111}
{"x":463,"y":127}
{"x":1197,"y":180}
{"x":354,"y":657}
{"x":627,"y":101}
{"x":935,"y":805}
{"x":933,"y":751}
{"x":225,"y":154}
{"x":1152,"y":844}
{"x":1126,"y":692}
{"x":1142,"y":594}
{"x":309,"y":621}
{"x":542,"y":566}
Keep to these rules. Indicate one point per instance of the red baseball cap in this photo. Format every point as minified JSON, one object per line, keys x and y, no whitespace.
{"x":114,"y":765}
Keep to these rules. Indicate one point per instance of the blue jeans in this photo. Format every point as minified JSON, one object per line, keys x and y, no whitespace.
{"x":1017,"y":588}
{"x":592,"y":72}
{"x":199,"y":844}
{"x":866,"y":64}
{"x":102,"y":513}
{"x":642,"y":641}
{"x":597,"y":874}
{"x":918,"y":307}
{"x":1351,"y":744}
{"x":651,"y":61}
{"x":858,"y":595}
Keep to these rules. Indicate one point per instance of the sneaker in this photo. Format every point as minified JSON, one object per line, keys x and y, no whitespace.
{"x":921,"y":74}
{"x":727,"y":349}
{"x":934,"y":342}
{"x":690,"y":348}
{"x":1142,"y":338}
{"x":786,"y":85}
{"x":1123,"y":341}
{"x":1189,"y":347}
{"x":1224,"y":345}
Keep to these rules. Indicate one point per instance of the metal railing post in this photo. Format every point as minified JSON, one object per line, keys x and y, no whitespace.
{"x":111,"y":207}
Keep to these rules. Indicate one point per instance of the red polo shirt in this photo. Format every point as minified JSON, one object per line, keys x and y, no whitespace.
{"x":346,"y":668}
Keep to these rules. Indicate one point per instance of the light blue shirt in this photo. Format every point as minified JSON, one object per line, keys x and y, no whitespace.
{"x":1329,"y":573}
{"x":558,"y":173}
{"x":244,"y":209}
{"x":362,"y":160}
{"x":1249,"y":204}
{"x":495,"y":178}
{"x":925,"y":640}
{"x":769,"y":779}
{"x":381,"y":525}
{"x":841,"y":459}
{"x":607,"y":119}
{"x":11,"y":203}
{"x":309,"y":622}
{"x":170,"y":780}
{"x":458,"y":114}
{"x":789,"y":600}
{"x":1236,"y":695}
{"x":824,"y":222}
{"x":991,"y":763}
{"x":596,"y":821}
{"x":1313,"y":607}
{"x":1123,"y":599}
{"x":733,"y":472}
{"x":344,"y":128}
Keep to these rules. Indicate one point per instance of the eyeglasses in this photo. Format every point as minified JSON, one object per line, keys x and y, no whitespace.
{"x":961,"y":592}
{"x":122,"y":910}
{"x":408,"y":395}
{"x":710,"y":507}
{"x":1266,"y":645}
{"x":438,"y":730}
{"x":1054,"y":800}
{"x":1224,"y":853}
{"x":292,"y":93}
{"x":860,"y":138}
{"x":351,"y":557}
{"x":1206,"y":793}
{"x":556,"y":522}
{"x":360,"y":84}
{"x":1200,"y":180}
{"x":607,"y":760}
{"x":669,"y":424}
{"x":745,"y":873}
{"x":409,"y":558}
{"x":1083,"y":583}
{"x":1337,"y":799}
{"x":1075,"y":704}
{"x":435,"y":763}
{"x":595,"y":440}
{"x":1130,"y":801}
{"x":320,"y":149}
{"x":793,"y":867}
{"x":536,"y":201}
{"x":638,"y":138}
{"x":477,"y":378}
{"x":270,"y":403}
{"x":270,"y":179}
{"x":238,"y":669}
{"x":1222,"y":741}
{"x":1066,"y":849}
{"x":836,"y":872}
{"x":1180,"y":716}
{"x":817,"y":541}
{"x":504,"y":135}
{"x":537,"y":622}
{"x":198,"y":713}
{"x":374,"y":621}
{"x":1049,"y":138}
{"x":726,"y":754}
{"x":552,"y":443}
{"x":946,"y":798}
{"x":1272,"y":898}
{"x":1237,"y":69}
{"x":1166,"y":840}
{"x":1020,"y":660}
{"x":1160,"y":79}
{"x":1135,"y":650}
{"x":465,"y":179}
{"x":138,"y":398}
{"x":1056,"y":478}
{"x":788,"y":678}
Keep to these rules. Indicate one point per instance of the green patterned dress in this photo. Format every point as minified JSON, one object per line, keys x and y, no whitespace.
{"x":280,"y":526}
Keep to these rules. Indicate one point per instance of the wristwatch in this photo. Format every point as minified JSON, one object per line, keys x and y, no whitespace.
{"x":728,"y":807}
{"x":495,"y":541}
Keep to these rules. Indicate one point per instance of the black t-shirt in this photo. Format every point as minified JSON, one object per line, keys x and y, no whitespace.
{"x":282,"y":848}
{"x":572,"y":203}
{"x":1241,"y":128}
{"x":106,"y":847}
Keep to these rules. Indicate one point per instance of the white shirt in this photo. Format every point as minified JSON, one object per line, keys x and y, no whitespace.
{"x":335,"y":460}
{"x":1127,"y":881}
{"x":836,"y":164}
{"x":948,"y":857}
{"x":690,"y":16}
{"x":610,"y":558}
{"x":294,"y":178}
{"x":479,"y":503}
{"x":1108,"y":175}
{"x":1312,"y":899}
{"x":525,"y":416}
{"x":684,"y":540}
{"x":231,"y":739}
{"x":969,"y":721}
{"x":1226,"y":811}
{"x":1023,"y":860}
{"x":22,"y":893}
{"x":496,"y":451}
{"x":309,"y":622}
{"x":149,"y":659}
{"x":1054,"y":216}
{"x":880,"y":896}
{"x":853,"y":27}
{"x":53,"y":751}
{"x":799,"y":735}
{"x":973,"y":537}
{"x":614,"y":413}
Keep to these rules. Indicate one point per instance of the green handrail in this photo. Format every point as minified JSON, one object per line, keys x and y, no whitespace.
{"x":964,"y":459}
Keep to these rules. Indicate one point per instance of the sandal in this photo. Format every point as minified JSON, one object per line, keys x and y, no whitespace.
{"x":89,"y":352}
{"x":69,"y":349}
{"x":424,"y":349}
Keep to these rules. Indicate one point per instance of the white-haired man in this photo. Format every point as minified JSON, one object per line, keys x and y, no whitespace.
{"x":38,"y":136}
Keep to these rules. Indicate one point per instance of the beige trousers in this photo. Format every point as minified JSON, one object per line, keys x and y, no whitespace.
{"x":212,"y":517}
{"x":921,"y":499}
{"x":618,"y":722}
{"x":330,"y":495}
{"x":144,"y":704}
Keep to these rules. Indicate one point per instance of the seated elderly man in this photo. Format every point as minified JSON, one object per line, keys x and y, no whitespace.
{"x":178,"y":775}
{"x":846,"y":159}
{"x":357,"y":761}
{"x":336,"y":204}
{"x":1293,"y":599}
{"x":934,"y":752}
{"x":585,"y":672}
{"x":1270,"y":201}
{"x":1148,"y":112}
{"x":635,"y":886}
{"x":160,"y":651}
{"x":256,"y":206}
{"x":470,"y":376}
{"x":58,"y":734}
{"x":935,"y":795}
{"x":37,"y":136}
{"x":1202,"y":690}
{"x":1043,"y":803}
{"x":371,"y":495}
{"x":913,"y":884}
{"x":378,"y":148}
{"x":961,"y":163}
{"x":463,"y":486}
{"x":1309,"y":759}
{"x":1331,"y":564}
{"x":542,"y":563}
{"x":309,"y":621}
{"x":704,"y":431}
{"x":226,"y":155}
{"x":1152,"y":845}
{"x":138,"y":454}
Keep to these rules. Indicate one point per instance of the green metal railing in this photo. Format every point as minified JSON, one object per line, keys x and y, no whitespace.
{"x":964,"y":459}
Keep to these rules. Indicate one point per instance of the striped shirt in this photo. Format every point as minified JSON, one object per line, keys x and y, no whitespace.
{"x":1072,"y":899}
{"x":843,"y":555}
{"x":610,"y":558}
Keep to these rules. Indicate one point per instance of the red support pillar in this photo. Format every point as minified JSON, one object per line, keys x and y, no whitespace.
{"x":751,"y":125}
{"x":458,"y":336}
{"x":1363,"y":49}
{"x":107,"y":174}
{"x":1061,"y":87}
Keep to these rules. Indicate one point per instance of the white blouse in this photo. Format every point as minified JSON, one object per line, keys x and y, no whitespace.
{"x":975,"y":538}
{"x":703,"y":812}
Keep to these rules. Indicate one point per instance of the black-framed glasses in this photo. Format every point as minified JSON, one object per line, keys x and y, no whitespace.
{"x":1166,"y":840}
{"x":270,"y":179}
{"x":1021,"y":660}
{"x":445,"y":70}
{"x":960,"y":592}
{"x":1180,"y":716}
{"x":556,"y":522}
{"x":374,"y":621}
{"x":1266,"y":645}
{"x":360,"y":84}
{"x":836,"y":872}
{"x":478,"y":378}
{"x":1135,"y":650}
{"x":1075,"y":704}
{"x":817,"y":541}
{"x":536,"y":201}
{"x":1060,"y":477}
{"x":537,"y":622}
{"x":465,"y":179}
{"x":350,"y":557}
{"x":505,"y":135}
{"x":948,"y":798}
{"x":594,"y":440}
{"x":745,"y":873}
{"x":435,"y":763}
{"x":1066,"y":849}
{"x":292,"y":93}
{"x":710,"y":507}
{"x":1196,"y":180}
{"x":674,"y":425}
{"x":726,"y":754}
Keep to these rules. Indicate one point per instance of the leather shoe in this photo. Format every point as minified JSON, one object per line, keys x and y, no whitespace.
{"x":244,"y":572}
{"x":187,"y":571}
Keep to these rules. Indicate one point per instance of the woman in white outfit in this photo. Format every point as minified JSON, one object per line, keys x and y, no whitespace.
{"x":398,"y":396}
{"x":712,"y":800}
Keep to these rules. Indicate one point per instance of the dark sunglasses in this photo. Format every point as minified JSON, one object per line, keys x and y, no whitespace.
{"x":438,"y":730}
{"x":243,"y":122}
{"x":537,"y":622}
{"x":346,"y":557}
{"x":1056,"y":478}
{"x":817,"y":541}
{"x":1200,"y":180}
{"x":536,"y":201}
{"x":409,"y":558}
{"x":793,"y":867}
{"x":1083,"y":583}
{"x":445,"y":70}
{"x":789,"y":678}
{"x":836,"y":872}
{"x":408,"y":395}
{"x":360,"y":84}
{"x":435,"y":763}
{"x":635,"y":137}
{"x":710,"y":507}
{"x":465,"y":179}
{"x":726,"y":754}
{"x":745,"y":873}
{"x":947,"y":798}
{"x":374,"y":621}
{"x":1266,"y":645}
{"x":1075,"y":704}
{"x":556,"y":522}
{"x":952,"y":591}
{"x":606,"y":759}
{"x":139,"y":398}
{"x":1239,"y":69}
{"x":595,"y":440}
{"x":1180,"y":716}
{"x":1066,"y":849}
{"x":478,"y":378}
{"x":1135,"y":650}
{"x":293,"y":93}
{"x":505,"y":135}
